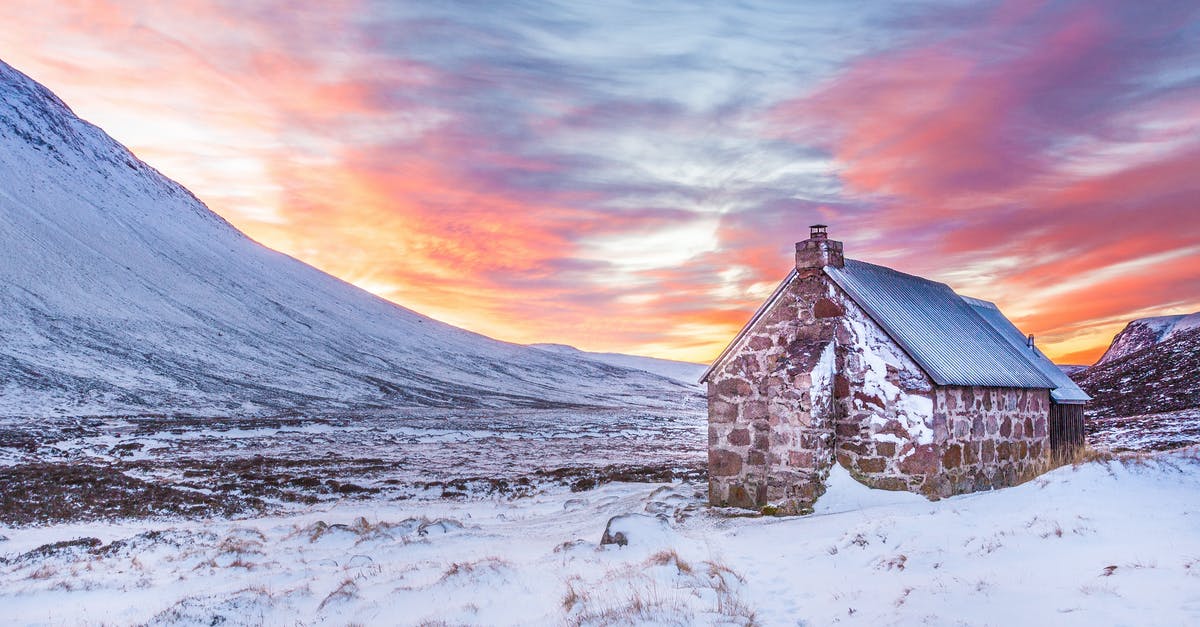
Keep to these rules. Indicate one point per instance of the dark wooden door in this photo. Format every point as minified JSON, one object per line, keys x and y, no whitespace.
{"x":1066,"y":431}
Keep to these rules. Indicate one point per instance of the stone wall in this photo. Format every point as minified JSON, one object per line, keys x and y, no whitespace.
{"x":989,"y":437}
{"x":885,"y":402}
{"x":770,"y":428}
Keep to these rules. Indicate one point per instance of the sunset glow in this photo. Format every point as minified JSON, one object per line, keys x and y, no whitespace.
{"x":628,"y":179}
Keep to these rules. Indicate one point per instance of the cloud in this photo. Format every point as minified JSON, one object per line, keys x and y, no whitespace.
{"x":1044,"y":146}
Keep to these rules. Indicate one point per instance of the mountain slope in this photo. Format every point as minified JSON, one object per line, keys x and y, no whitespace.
{"x":1145,"y":332}
{"x":1163,"y":377}
{"x":682,"y":371}
{"x":120,"y":292}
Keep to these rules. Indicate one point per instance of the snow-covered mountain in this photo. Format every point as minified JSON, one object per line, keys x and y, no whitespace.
{"x":683,"y":371}
{"x":1145,"y":332}
{"x":1163,"y":377}
{"x":120,"y":292}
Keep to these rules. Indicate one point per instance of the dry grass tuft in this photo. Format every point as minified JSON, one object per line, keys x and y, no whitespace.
{"x":635,"y":595}
{"x":459,"y":569}
{"x":576,"y":594}
{"x":1046,"y":528}
{"x":241,"y":563}
{"x":895,"y":562}
{"x":45,"y":571}
{"x":1086,"y":454}
{"x":346,"y":591}
{"x":663,"y":558}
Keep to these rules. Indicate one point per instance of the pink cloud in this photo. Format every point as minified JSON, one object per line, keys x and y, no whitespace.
{"x":969,"y":144}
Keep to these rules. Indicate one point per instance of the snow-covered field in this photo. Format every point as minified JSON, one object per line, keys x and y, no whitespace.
{"x":495,"y":517}
{"x":1105,"y":543}
{"x":1149,"y":432}
{"x":55,"y":470}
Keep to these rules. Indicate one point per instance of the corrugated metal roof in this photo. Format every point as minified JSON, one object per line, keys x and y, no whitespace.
{"x":940,"y":331}
{"x":1065,"y":390}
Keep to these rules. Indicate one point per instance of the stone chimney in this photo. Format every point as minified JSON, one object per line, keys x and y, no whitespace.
{"x":818,"y":250}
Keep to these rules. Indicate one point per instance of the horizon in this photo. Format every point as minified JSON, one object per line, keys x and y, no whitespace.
{"x":633,"y":181}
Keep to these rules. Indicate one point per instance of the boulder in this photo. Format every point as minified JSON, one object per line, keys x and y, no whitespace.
{"x":637,"y":530}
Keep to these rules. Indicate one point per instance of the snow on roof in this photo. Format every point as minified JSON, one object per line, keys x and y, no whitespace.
{"x":1065,"y":391}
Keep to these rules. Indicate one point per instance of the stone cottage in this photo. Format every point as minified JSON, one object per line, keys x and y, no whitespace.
{"x":903,"y":382}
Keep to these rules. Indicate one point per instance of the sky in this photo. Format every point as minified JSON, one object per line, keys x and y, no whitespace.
{"x":632,"y":177}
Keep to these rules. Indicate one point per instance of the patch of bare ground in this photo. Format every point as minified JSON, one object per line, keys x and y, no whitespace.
{"x":290,"y":480}
{"x":85,"y":468}
{"x":47,"y":493}
{"x":1145,"y":432}
{"x":585,"y":478}
{"x":578,"y":479}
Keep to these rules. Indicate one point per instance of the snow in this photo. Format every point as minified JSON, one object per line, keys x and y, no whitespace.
{"x":843,"y":493}
{"x":821,"y":377}
{"x":1161,"y":325}
{"x":1102,"y":543}
{"x":878,"y":353}
{"x":1183,"y":325}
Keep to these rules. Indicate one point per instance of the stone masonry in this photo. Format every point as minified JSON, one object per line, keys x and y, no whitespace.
{"x":814,"y":381}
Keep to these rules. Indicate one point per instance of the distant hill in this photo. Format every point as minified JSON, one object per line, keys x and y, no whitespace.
{"x":1145,"y":332}
{"x":683,"y":371}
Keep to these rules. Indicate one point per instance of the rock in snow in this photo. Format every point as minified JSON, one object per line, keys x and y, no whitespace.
{"x":121,"y":293}
{"x":639,"y":530}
